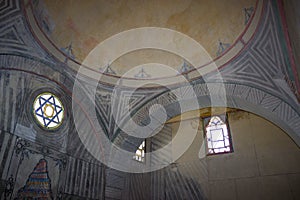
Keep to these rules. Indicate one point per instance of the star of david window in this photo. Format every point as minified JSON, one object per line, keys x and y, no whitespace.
{"x":48,"y":110}
{"x":218,"y":138}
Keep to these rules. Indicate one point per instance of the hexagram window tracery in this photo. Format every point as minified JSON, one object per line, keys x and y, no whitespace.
{"x":48,"y":110}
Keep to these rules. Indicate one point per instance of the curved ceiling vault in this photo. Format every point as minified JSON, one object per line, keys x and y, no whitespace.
{"x":73,"y":30}
{"x":252,"y":78}
{"x":252,"y":70}
{"x":252,"y":81}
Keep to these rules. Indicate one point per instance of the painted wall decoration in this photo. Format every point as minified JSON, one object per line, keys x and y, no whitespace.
{"x":33,"y":171}
{"x":254,"y":76}
{"x":248,"y":12}
{"x":38,"y":184}
{"x":48,"y":110}
{"x":86,"y":24}
{"x":222,"y":47}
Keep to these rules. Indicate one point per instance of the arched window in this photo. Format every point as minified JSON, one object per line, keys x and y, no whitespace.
{"x":218,"y":137}
{"x":140,"y":153}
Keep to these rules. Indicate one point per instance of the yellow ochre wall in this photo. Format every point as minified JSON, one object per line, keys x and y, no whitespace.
{"x":87,"y":23}
{"x":265,"y":163}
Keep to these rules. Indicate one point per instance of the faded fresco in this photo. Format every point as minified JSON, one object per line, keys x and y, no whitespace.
{"x":77,"y":27}
{"x":261,"y":113}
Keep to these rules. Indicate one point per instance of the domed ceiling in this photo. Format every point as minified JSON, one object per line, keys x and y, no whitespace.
{"x":77,"y":27}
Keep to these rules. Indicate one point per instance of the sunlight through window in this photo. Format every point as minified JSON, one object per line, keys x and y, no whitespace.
{"x":48,"y":110}
{"x":140,"y":153}
{"x":217,"y":136}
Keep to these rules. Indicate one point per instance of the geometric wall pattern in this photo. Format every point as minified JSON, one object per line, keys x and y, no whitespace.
{"x":253,"y":81}
{"x":263,"y":63}
{"x":260,"y":65}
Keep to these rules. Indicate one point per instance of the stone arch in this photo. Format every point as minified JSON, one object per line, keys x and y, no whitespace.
{"x":244,"y":97}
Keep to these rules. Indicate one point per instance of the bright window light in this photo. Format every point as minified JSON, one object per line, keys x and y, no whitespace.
{"x":48,"y":110}
{"x":140,"y":153}
{"x":217,"y":136}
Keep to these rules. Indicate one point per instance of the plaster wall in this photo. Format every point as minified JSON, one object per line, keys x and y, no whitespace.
{"x":264,"y":165}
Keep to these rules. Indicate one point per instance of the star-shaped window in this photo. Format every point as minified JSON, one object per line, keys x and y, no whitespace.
{"x":48,"y":110}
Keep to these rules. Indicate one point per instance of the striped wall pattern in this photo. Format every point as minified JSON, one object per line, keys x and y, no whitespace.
{"x":18,"y":90}
{"x":11,"y":99}
{"x":253,"y":81}
{"x":146,"y":185}
{"x":260,"y":65}
{"x":274,"y":108}
{"x":84,"y":179}
{"x":263,"y":64}
{"x":15,"y":35}
{"x":137,"y":186}
{"x":181,"y":181}
{"x":114,"y":184}
{"x":13,"y":151}
{"x":7,"y":143}
{"x":158,"y":178}
{"x":8,"y":7}
{"x":177,"y":181}
{"x":158,"y":141}
{"x":78,"y":179}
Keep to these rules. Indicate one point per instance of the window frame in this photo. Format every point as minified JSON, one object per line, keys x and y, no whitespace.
{"x":221,"y":116}
{"x":143,"y":159}
{"x":37,"y":118}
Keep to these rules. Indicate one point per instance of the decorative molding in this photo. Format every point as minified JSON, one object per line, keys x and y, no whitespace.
{"x":248,"y":13}
{"x":142,"y":74}
{"x":222,"y":47}
{"x":9,"y":187}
